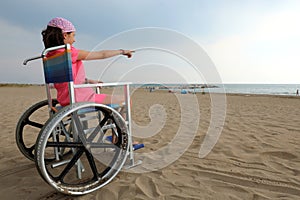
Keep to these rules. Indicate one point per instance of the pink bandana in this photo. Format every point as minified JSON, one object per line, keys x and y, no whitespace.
{"x":65,"y":25}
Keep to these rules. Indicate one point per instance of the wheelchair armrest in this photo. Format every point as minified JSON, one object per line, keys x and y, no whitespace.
{"x":101,"y":85}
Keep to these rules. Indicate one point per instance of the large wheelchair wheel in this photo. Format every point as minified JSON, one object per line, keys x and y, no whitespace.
{"x":94,"y":160}
{"x":29,"y":126}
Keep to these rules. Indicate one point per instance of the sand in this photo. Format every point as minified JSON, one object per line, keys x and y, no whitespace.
{"x":256,"y":157}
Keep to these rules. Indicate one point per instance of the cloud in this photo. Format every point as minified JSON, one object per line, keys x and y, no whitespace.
{"x":19,"y":44}
{"x":266,"y":53}
{"x":248,"y":41}
{"x":281,"y":25}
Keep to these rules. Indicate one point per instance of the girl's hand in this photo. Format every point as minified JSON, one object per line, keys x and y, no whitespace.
{"x":91,"y":81}
{"x":127,"y":53}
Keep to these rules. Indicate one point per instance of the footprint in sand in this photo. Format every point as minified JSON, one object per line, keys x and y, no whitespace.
{"x":281,"y":155}
{"x":148,"y":187}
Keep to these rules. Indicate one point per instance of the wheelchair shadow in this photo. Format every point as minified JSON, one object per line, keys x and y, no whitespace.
{"x":22,"y":181}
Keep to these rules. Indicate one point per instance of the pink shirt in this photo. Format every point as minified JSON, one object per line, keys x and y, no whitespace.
{"x":81,"y":94}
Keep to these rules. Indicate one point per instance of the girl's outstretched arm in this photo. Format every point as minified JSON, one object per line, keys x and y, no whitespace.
{"x":95,"y":55}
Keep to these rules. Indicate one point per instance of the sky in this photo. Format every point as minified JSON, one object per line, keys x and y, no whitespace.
{"x":243,"y":41}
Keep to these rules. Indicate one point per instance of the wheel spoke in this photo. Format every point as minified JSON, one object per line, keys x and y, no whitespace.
{"x":70,"y":165}
{"x":34,"y":124}
{"x":65,"y":144}
{"x":94,"y":133}
{"x":104,"y":120}
{"x":31,"y":149}
{"x":78,"y":128}
{"x":92,"y":164}
{"x":99,"y":129}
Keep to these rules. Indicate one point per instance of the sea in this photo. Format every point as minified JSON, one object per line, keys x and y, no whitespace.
{"x":264,"y":89}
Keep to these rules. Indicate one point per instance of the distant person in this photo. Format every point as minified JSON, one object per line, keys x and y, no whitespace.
{"x":297,"y":92}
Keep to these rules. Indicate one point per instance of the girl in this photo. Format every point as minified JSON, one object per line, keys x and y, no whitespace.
{"x":60,"y":31}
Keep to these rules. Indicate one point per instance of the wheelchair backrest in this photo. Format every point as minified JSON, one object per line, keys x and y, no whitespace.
{"x":57,"y":63}
{"x":58,"y":66}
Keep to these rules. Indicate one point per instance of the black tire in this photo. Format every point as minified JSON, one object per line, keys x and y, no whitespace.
{"x":29,"y":126}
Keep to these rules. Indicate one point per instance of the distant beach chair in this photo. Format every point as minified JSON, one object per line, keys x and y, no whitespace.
{"x":74,"y":151}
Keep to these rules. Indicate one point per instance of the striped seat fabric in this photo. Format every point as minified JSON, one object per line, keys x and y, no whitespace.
{"x":58,"y":67}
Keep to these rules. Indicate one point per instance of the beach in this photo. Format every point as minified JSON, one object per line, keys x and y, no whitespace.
{"x":257,"y":155}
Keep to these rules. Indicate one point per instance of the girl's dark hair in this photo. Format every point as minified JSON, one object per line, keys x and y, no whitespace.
{"x":52,"y":36}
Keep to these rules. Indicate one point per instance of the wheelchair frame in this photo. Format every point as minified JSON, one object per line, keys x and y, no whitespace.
{"x":68,"y":129}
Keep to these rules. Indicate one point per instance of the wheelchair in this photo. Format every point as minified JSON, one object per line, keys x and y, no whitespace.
{"x":72,"y":146}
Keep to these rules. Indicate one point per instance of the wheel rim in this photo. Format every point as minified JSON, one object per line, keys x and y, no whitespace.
{"x":102,"y":159}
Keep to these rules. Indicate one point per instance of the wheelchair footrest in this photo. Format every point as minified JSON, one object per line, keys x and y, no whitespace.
{"x":132,"y":164}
